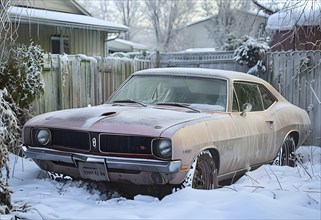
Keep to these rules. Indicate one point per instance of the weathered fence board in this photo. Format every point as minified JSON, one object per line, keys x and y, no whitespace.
{"x":297,"y":76}
{"x":79,"y":81}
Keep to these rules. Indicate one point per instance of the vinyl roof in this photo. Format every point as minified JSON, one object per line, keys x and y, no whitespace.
{"x":228,"y":74}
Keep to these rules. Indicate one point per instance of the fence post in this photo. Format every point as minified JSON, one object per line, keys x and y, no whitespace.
{"x":157,"y":59}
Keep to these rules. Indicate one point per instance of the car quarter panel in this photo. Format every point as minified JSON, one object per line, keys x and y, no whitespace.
{"x":229,"y":136}
{"x":290,"y":118}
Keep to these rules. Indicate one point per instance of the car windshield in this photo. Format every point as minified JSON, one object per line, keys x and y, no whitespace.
{"x":195,"y":92}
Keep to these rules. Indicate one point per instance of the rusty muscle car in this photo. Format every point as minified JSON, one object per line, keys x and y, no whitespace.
{"x":190,"y":127}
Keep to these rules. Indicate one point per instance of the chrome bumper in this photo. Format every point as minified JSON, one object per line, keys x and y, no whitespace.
{"x":147,"y":165}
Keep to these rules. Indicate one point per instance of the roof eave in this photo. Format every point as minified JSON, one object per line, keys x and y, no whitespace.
{"x":80,"y":8}
{"x":67,"y":24}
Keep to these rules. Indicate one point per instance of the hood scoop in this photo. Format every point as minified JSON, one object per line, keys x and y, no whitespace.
{"x":108,"y":114}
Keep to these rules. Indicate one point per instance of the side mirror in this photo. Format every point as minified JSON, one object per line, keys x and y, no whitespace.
{"x":246,"y":107}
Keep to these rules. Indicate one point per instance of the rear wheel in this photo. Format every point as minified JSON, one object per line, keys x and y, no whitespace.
{"x":202,"y":173}
{"x":286,"y":155}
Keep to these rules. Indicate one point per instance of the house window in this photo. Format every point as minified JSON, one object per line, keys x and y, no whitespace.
{"x":59,"y":45}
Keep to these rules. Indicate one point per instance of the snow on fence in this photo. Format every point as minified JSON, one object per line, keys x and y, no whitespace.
{"x":213,"y":60}
{"x":297,"y":76}
{"x":77,"y":80}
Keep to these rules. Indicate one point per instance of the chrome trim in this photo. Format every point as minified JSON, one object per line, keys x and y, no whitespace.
{"x":148,"y":165}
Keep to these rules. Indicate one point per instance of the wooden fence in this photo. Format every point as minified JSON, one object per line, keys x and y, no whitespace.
{"x":79,"y":81}
{"x":297,"y":76}
{"x":213,"y":60}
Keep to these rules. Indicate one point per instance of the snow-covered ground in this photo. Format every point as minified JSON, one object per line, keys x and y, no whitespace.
{"x":270,"y":192}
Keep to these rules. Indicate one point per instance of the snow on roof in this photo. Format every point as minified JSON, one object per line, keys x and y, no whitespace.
{"x":287,"y":20}
{"x":199,"y":50}
{"x":132,"y":44}
{"x":54,"y":18}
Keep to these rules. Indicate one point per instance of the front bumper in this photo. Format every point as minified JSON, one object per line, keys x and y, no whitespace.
{"x":134,"y":164}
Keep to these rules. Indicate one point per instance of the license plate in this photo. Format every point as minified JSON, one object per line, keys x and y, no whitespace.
{"x":93,"y":171}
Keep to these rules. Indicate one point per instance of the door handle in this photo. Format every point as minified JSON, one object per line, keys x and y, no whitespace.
{"x":270,"y":122}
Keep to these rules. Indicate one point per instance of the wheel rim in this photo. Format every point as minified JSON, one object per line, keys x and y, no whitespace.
{"x":204,"y":175}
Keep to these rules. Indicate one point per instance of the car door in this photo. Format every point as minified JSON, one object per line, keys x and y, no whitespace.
{"x":256,"y":124}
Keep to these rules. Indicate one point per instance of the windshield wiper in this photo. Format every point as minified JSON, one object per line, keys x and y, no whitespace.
{"x":178,"y":105}
{"x":128,"y":101}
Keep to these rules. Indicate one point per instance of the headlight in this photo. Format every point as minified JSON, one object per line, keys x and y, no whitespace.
{"x":43,"y":136}
{"x":162,"y":148}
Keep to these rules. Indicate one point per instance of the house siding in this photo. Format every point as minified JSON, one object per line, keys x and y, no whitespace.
{"x":81,"y":41}
{"x":198,"y":35}
{"x":303,"y":38}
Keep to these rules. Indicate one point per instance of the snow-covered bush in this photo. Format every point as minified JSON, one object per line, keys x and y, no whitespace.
{"x":22,"y":78}
{"x":252,"y":53}
{"x":25,"y":66}
{"x":20,"y":84}
{"x":9,"y":133}
{"x":231,"y":42}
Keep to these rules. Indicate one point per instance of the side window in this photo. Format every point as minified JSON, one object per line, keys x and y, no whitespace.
{"x":249,"y":93}
{"x":267,"y":98}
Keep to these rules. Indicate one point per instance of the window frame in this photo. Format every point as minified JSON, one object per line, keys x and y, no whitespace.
{"x":191,"y":76}
{"x":62,"y":47}
{"x":259,"y":87}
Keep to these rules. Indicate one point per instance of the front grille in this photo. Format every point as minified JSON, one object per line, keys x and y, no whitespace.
{"x":125,"y":144}
{"x":66,"y":138}
{"x":71,"y":139}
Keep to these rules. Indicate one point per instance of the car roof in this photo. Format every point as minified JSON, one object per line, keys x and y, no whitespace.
{"x":204,"y":72}
{"x":227,"y":74}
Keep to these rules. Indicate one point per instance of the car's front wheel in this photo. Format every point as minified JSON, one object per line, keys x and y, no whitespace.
{"x":286,"y":155}
{"x":202,"y":173}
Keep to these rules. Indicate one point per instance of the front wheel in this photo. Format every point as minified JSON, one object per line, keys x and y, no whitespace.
{"x":202,"y":173}
{"x":286,"y":155}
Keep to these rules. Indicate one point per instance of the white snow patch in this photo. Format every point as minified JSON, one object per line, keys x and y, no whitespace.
{"x":199,"y":50}
{"x":64,"y":58}
{"x":84,"y":57}
{"x":257,"y":195}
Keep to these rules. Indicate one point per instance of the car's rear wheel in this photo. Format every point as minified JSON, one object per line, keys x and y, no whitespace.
{"x":202,"y":173}
{"x":286,"y":155}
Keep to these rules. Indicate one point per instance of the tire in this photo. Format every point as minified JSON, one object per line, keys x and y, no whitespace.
{"x":286,"y":155}
{"x":202,"y":173}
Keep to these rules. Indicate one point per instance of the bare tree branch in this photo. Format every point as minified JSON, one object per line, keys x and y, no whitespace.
{"x":167,"y":18}
{"x":264,"y":8}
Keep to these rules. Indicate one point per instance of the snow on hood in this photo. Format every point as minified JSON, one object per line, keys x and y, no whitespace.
{"x":127,"y":119}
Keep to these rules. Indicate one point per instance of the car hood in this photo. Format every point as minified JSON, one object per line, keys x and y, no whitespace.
{"x":150,"y":121}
